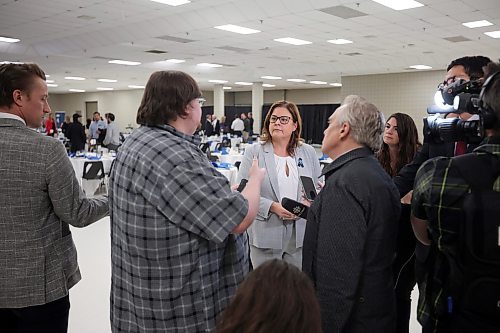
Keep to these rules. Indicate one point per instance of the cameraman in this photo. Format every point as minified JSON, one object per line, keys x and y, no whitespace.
{"x":440,"y":217}
{"x":464,"y":68}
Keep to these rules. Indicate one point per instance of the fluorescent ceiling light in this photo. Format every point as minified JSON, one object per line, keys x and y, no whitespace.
{"x":124,"y":62}
{"x":237,"y":29}
{"x":10,"y":62}
{"x":270,"y":77}
{"x":336,"y":84}
{"x":49,"y":81}
{"x":243,"y":83}
{"x":477,"y":24}
{"x":107,"y":80}
{"x":133,"y":86}
{"x":227,"y":88}
{"x":296,"y":80}
{"x":339,"y":41}
{"x":293,"y":41}
{"x":47,"y":75}
{"x":75,"y":78}
{"x":52,"y":85}
{"x":267,"y":85}
{"x":76,"y":90}
{"x":172,"y":2}
{"x":399,"y":4}
{"x":217,"y":81}
{"x":493,"y":34}
{"x":318,"y":82}
{"x":207,"y":64}
{"x":176,"y":61}
{"x":8,"y":39}
{"x":104,"y":88}
{"x":420,"y":67}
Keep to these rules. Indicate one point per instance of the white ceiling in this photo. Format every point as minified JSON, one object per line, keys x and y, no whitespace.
{"x":77,"y":38}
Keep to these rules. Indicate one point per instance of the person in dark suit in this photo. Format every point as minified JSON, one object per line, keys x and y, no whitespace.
{"x":40,"y":198}
{"x":209,"y":128}
{"x":75,"y":132}
{"x":351,"y":228}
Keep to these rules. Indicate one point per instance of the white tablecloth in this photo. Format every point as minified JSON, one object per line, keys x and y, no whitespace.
{"x":230,"y":174}
{"x":89,"y":186}
{"x":229,"y":158}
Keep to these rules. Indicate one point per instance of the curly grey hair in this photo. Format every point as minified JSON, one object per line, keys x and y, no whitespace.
{"x":365,"y":120}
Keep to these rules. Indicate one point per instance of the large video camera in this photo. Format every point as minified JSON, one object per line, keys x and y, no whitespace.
{"x":458,"y":97}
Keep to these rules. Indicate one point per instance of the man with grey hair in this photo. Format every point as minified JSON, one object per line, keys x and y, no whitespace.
{"x":351,"y":227}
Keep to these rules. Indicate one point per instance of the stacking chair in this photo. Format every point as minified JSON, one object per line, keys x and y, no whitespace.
{"x":93,"y":170}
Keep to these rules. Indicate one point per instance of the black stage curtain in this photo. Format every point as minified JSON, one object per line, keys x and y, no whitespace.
{"x":314,"y":119}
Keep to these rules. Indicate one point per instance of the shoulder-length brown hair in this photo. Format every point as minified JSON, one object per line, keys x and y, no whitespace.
{"x":166,"y":96}
{"x":295,"y":139}
{"x":408,"y":144}
{"x":276,"y":297}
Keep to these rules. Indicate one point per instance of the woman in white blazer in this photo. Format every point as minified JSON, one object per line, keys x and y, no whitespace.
{"x":277,"y":233}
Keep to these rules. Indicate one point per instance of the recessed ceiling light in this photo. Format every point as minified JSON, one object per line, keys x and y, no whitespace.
{"x":293,"y":41}
{"x":296,"y":80}
{"x":172,"y":2}
{"x":339,"y":41}
{"x":399,"y":4}
{"x":420,"y":67}
{"x":477,"y":24}
{"x":318,"y":82}
{"x":270,"y":77}
{"x":237,"y":29}
{"x":107,"y":80}
{"x":217,"y":81}
{"x":267,"y":85}
{"x":8,"y":39}
{"x":133,"y":86}
{"x":493,"y":34}
{"x":52,"y":85}
{"x":49,"y":81}
{"x":336,"y":84}
{"x":176,"y":61}
{"x":75,"y":78}
{"x":76,"y":90}
{"x":207,"y":64}
{"x":227,"y":88}
{"x":124,"y":62}
{"x":104,"y":88}
{"x":243,"y":83}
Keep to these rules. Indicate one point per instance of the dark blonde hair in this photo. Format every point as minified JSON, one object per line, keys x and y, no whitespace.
{"x":295,"y":139}
{"x":276,"y":297}
{"x":407,"y":147}
{"x":17,"y":77}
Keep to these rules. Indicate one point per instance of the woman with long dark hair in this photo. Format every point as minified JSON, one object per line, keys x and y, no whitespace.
{"x":400,"y":143}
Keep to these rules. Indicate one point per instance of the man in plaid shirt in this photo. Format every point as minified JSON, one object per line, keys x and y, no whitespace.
{"x":178,"y":252}
{"x":437,"y":208}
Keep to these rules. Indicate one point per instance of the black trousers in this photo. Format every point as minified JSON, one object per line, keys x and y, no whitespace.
{"x":47,"y":318}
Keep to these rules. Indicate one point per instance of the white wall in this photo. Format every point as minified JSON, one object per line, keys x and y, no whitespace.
{"x":410,"y":93}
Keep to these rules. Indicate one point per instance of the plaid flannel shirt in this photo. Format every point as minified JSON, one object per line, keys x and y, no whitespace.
{"x":175,"y":264}
{"x":437,"y":197}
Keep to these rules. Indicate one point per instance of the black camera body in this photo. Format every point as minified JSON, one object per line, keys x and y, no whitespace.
{"x":459,"y":97}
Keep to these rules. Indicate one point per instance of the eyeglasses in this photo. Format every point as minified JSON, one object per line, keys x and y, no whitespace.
{"x":201,"y":101}
{"x":283,"y":119}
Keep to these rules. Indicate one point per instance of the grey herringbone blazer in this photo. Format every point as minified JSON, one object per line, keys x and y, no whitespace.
{"x":39,"y":198}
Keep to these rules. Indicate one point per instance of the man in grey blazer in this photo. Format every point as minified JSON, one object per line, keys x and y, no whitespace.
{"x":40,"y":198}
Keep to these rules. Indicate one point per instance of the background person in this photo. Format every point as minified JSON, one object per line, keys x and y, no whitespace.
{"x":112,"y":139}
{"x":40,"y":198}
{"x":351,"y":227}
{"x":277,"y":233}
{"x":399,"y":146}
{"x":177,"y":248}
{"x":76,"y":134}
{"x":50,"y":125}
{"x":252,"y":310}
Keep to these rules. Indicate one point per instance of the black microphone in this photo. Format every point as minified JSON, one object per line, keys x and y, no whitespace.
{"x":242,"y":185}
